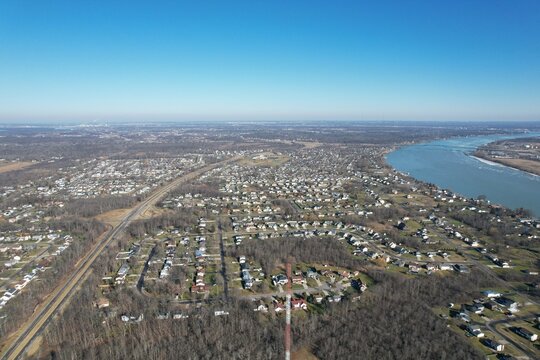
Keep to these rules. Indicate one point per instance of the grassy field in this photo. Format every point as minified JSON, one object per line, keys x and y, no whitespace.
{"x":12,"y":166}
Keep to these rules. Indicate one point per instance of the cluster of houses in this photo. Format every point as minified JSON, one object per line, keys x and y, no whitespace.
{"x":247,"y":279}
{"x":199,"y":286}
{"x":97,"y":177}
{"x":309,"y":196}
{"x":495,"y":301}
{"x":170,"y":250}
{"x":16,"y":287}
{"x":276,"y":226}
{"x":20,"y":248}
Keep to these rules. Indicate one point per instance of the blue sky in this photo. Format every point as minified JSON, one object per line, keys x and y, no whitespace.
{"x":269,"y":60}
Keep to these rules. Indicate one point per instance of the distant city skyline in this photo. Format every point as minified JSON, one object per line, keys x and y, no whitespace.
{"x":283,"y":61}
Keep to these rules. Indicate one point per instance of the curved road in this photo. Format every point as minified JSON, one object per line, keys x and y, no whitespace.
{"x":492,"y":326}
{"x":60,"y":296}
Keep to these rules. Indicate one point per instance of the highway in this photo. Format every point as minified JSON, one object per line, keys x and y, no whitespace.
{"x":28,"y":332}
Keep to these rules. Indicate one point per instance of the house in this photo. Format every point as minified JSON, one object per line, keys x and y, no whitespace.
{"x":279,"y":307}
{"x":298,"y":279}
{"x":476,"y":308}
{"x":414,"y":268}
{"x":131,"y":318}
{"x":102,"y":303}
{"x":464,"y":317}
{"x":312,"y":274}
{"x":492,"y":344}
{"x":508,"y":303}
{"x":461,"y":268}
{"x":297,"y":304}
{"x":492,"y":294}
{"x":502,"y":263}
{"x":200,"y":288}
{"x":261,"y":307}
{"x":358,"y":285}
{"x":526,"y":334}
{"x":121,"y":274}
{"x":475,"y":331}
{"x":279,"y":280}
{"x":445,"y":267}
{"x":247,"y":280}
{"x":318,"y":298}
{"x":180,"y":316}
{"x":431,"y":267}
{"x":163,"y":316}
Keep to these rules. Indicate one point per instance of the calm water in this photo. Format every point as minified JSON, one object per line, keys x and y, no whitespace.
{"x":447,"y":164}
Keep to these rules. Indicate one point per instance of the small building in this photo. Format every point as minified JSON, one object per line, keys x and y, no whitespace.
{"x":297,"y":304}
{"x":492,"y":344}
{"x":280,"y":280}
{"x":475,"y":331}
{"x":529,"y":335}
{"x":121,"y":274}
{"x":102,"y":303}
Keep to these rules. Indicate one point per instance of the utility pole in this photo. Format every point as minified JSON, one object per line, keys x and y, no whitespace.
{"x":288,"y":315}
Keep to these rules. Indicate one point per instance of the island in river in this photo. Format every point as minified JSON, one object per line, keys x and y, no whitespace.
{"x":520,"y":153}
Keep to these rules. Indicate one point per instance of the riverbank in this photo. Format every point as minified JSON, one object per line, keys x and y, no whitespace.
{"x":528,"y":166}
{"x":451,"y":164}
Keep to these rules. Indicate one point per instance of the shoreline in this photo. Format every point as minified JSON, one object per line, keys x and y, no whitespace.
{"x":471,"y":153}
{"x":494,"y":162}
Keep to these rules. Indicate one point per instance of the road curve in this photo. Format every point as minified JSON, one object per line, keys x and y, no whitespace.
{"x":492,"y":326}
{"x":60,"y":295}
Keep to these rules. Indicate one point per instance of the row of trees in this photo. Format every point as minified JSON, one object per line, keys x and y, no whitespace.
{"x":95,"y":206}
{"x":393,"y":319}
{"x":272,"y":252}
{"x":181,"y":219}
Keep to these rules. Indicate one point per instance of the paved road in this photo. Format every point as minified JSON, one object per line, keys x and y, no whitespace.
{"x":492,"y":326}
{"x":54,"y":302}
{"x":223,"y":264}
{"x":283,"y":293}
{"x":140,"y":282}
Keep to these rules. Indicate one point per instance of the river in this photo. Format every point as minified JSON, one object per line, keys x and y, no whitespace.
{"x":448,"y":164}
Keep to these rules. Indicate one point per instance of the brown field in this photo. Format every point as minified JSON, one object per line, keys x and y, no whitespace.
{"x":310,"y":144}
{"x":303,"y":354}
{"x":7,"y":167}
{"x":153,"y":212}
{"x":529,"y":166}
{"x":112,"y":217}
{"x":272,"y":160}
{"x":35,"y":347}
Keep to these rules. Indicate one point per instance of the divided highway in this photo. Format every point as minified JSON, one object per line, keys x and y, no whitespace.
{"x":61,"y":294}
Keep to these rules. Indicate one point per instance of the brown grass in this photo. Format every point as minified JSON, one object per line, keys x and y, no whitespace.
{"x":272,"y":160}
{"x":530,"y":166}
{"x":303,"y":354}
{"x":112,"y":217}
{"x":310,"y":144}
{"x":153,"y":212}
{"x":7,"y":167}
{"x":35,"y":347}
